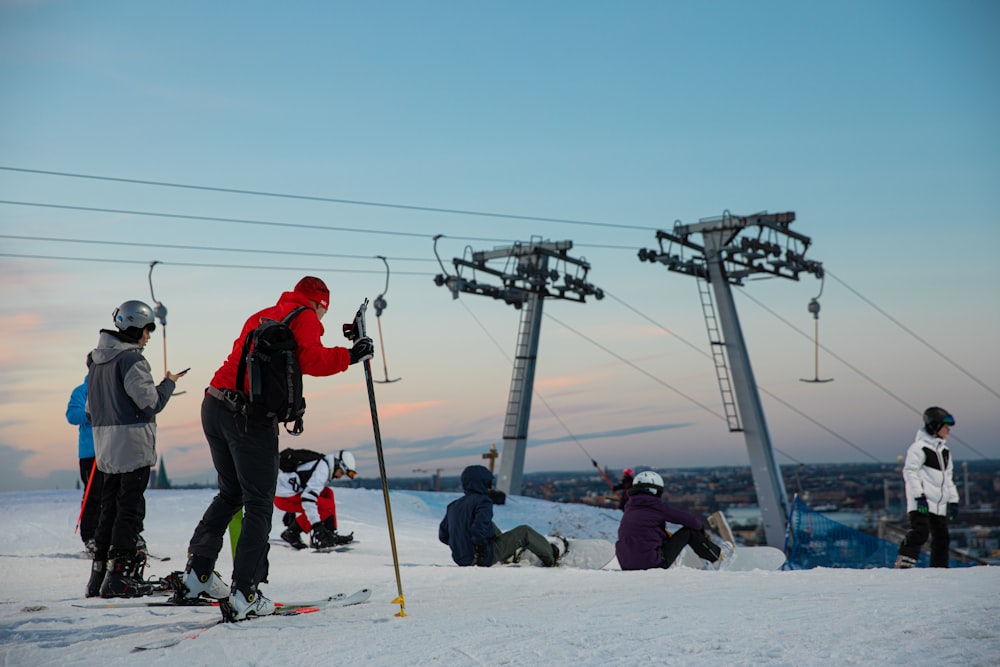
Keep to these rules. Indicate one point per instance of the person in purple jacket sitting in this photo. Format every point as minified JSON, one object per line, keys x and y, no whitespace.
{"x":643,"y":540}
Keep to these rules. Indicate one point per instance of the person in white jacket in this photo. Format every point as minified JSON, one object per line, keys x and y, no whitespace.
{"x":931,"y":495}
{"x":306,"y":499}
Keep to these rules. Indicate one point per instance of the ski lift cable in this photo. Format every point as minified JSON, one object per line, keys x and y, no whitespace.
{"x":538,"y":394}
{"x":654,"y":378}
{"x":638,"y":368}
{"x":635,"y":367}
{"x":905,"y":328}
{"x":857,"y":370}
{"x":708,"y":356}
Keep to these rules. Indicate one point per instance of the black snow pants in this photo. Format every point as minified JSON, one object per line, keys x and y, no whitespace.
{"x":246,"y":460}
{"x":700,"y":544}
{"x":922,"y":526}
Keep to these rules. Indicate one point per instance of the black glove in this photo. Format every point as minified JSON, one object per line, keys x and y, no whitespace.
{"x":363,"y":349}
{"x":922,"y":504}
{"x":479,"y":554}
{"x":321,"y":537}
{"x":952,"y":511}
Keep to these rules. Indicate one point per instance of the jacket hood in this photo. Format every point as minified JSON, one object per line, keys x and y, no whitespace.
{"x":477,"y":479}
{"x":298,"y":298}
{"x":930,"y":440}
{"x":110,"y":345}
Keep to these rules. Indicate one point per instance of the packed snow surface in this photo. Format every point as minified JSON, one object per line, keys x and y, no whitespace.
{"x":505,"y":615}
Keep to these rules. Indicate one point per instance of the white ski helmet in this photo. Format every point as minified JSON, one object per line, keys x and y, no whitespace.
{"x":648,"y":482}
{"x":346,"y":462}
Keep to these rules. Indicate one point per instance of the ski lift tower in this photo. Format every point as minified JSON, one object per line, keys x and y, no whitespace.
{"x":768,"y":248}
{"x":530,"y":273}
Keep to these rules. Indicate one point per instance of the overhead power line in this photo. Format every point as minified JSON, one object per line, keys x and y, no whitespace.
{"x":332,"y":200}
{"x":206,"y":265}
{"x":171,"y":246}
{"x":242,"y":221}
{"x":271,"y":223}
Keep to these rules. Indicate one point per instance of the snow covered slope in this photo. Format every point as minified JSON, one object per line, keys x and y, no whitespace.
{"x":472,"y":616}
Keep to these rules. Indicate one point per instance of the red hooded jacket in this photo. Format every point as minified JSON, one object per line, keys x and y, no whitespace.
{"x":314,"y":359}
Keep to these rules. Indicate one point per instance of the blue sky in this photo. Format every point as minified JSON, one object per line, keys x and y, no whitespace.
{"x":874,"y":122}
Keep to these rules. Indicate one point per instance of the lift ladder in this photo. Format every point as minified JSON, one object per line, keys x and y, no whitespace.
{"x":719,"y":356}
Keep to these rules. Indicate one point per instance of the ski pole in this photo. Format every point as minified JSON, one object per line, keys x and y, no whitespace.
{"x":605,"y":476}
{"x":86,"y":494}
{"x":359,"y":323}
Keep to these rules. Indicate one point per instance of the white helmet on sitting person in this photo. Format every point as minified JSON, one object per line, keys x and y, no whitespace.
{"x":648,"y":482}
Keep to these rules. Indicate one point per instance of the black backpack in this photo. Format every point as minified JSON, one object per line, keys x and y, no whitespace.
{"x":275,"y":386}
{"x":289,"y":460}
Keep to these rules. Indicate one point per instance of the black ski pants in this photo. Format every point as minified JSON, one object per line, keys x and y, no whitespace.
{"x":922,"y":526}
{"x":700,"y":544}
{"x":246,"y":460}
{"x":123,"y":509}
{"x":92,"y":503}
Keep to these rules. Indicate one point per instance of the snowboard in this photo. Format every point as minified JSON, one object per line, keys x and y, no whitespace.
{"x":340,"y":548}
{"x":717,"y":521}
{"x":583,"y":554}
{"x":743,"y":560}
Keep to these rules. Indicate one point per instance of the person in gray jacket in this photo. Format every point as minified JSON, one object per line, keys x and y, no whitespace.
{"x":122,"y":403}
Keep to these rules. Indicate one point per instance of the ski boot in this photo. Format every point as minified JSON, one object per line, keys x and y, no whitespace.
{"x":199,"y":580}
{"x":560,"y":545}
{"x":97,"y":572}
{"x":240,"y":606}
{"x":123,"y":578}
{"x":293,"y":535}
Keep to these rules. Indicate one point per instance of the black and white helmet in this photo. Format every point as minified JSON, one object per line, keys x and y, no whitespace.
{"x":648,"y":482}
{"x":935,"y":418}
{"x":345,"y":461}
{"x":134,"y":314}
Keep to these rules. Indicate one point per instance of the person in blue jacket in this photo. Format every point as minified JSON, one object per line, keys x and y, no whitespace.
{"x":76,"y":414}
{"x":643,"y":540}
{"x":468,"y":528}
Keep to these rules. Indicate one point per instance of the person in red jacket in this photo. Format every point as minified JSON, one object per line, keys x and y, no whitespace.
{"x":245,"y":455}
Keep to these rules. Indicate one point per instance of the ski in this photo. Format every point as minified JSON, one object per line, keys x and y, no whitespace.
{"x":134,"y":604}
{"x":334,"y":600}
{"x":281,"y":609}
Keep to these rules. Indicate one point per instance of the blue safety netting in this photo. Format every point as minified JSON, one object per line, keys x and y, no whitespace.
{"x":815,"y":540}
